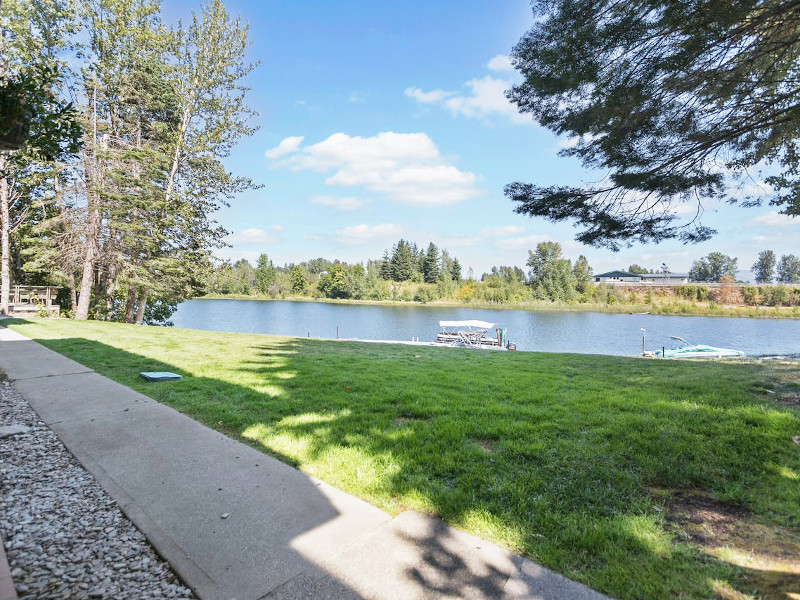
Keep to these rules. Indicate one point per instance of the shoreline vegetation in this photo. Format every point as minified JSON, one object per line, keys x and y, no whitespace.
{"x":642,"y":479}
{"x":413,"y":275}
{"x":663,"y":305}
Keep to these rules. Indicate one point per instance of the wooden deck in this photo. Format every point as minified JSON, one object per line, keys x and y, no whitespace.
{"x":32,"y":300}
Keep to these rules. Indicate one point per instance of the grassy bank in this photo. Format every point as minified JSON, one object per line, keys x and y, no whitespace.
{"x":671,"y":306}
{"x":641,"y":478}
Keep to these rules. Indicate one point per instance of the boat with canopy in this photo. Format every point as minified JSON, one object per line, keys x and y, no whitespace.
{"x":473,"y":334}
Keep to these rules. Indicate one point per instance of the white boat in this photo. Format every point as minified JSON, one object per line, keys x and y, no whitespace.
{"x":473,"y":334}
{"x":697,"y":351}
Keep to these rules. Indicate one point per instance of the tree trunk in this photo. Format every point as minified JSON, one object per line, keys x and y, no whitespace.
{"x":92,"y":223}
{"x":73,"y":293}
{"x":130,"y":303}
{"x":5,"y":259}
{"x":89,"y":263}
{"x":142,"y":305}
{"x":110,"y":273}
{"x":176,"y":158}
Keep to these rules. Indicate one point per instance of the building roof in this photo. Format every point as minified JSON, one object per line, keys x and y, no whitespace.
{"x":617,"y":274}
{"x":666,"y":275}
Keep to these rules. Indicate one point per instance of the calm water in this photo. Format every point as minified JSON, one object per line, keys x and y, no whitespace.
{"x":590,"y":333}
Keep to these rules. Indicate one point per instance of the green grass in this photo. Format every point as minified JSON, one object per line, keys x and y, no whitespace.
{"x":570,"y":460}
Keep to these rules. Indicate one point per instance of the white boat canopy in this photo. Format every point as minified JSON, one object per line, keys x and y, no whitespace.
{"x":473,"y":323}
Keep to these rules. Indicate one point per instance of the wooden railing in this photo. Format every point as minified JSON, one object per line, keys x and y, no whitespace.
{"x":34,"y":294}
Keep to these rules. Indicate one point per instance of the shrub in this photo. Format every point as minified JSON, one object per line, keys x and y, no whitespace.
{"x":777,"y":296}
{"x":752,"y":295}
{"x":424,"y":294}
{"x":467,"y":292}
{"x":495,"y":294}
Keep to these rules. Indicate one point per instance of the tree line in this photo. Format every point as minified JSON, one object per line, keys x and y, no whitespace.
{"x":119,"y":211}
{"x":405,"y":263}
{"x":409,"y":272}
{"x":717,"y":266}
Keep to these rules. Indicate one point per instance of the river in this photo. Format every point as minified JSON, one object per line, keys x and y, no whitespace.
{"x":582,"y":332}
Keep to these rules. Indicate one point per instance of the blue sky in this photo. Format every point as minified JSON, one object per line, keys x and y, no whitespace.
{"x":382,"y":120}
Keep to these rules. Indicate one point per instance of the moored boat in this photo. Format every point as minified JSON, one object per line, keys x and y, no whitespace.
{"x":697,"y":351}
{"x":473,"y":334}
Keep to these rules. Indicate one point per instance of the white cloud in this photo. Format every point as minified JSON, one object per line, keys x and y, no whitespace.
{"x":488,"y":97}
{"x":432,"y":97}
{"x":255,"y":236}
{"x":753,"y":189}
{"x":349,"y":203}
{"x":773,"y":219}
{"x":363,"y":234}
{"x":501,"y":62}
{"x":485,"y":97}
{"x":287,"y":146}
{"x":685,"y":209}
{"x":405,"y":167}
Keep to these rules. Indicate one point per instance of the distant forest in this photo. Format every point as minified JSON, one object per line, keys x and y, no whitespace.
{"x":410,"y":273}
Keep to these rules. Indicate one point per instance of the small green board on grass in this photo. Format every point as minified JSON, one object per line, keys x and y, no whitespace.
{"x":160,"y":375}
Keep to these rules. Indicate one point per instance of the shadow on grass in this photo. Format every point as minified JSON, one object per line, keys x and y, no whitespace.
{"x":568,"y":459}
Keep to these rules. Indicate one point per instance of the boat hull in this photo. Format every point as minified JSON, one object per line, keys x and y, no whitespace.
{"x":700,"y":351}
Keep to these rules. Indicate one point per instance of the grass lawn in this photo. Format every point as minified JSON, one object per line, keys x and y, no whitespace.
{"x":641,"y":478}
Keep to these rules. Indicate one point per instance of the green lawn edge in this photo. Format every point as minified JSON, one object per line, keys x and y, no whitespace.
{"x":573,"y":461}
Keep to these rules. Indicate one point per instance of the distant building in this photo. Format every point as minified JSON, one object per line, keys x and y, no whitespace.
{"x":617,"y":277}
{"x":665,"y":278}
{"x":620,"y":277}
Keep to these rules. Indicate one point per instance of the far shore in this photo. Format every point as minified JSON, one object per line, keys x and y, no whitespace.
{"x":684,"y":309}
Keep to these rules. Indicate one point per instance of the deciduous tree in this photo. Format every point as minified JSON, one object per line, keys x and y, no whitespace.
{"x":764,"y":267}
{"x":789,"y":269}
{"x":713,"y":267}
{"x":551,"y":275}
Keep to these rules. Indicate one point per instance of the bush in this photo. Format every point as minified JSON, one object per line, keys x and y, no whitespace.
{"x":777,"y":296}
{"x":424,"y":294}
{"x":692,"y":292}
{"x":752,"y":295}
{"x":467,"y":292}
{"x":495,"y":295}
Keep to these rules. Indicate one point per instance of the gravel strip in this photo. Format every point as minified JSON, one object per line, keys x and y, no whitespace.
{"x":64,"y":536}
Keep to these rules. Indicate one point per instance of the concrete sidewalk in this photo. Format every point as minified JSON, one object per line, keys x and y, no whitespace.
{"x":235,"y":523}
